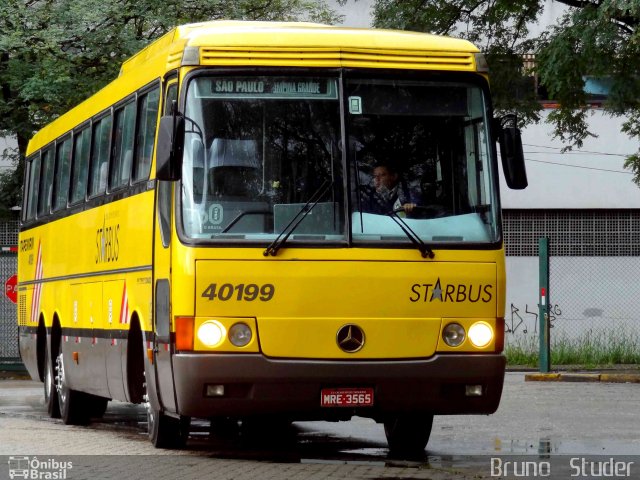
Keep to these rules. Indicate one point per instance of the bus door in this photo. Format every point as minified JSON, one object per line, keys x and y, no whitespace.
{"x":162,"y":284}
{"x":162,"y":303}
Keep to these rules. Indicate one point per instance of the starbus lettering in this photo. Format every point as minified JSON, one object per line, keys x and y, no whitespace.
{"x":107,"y":243}
{"x":26,"y":244}
{"x":451,"y":293}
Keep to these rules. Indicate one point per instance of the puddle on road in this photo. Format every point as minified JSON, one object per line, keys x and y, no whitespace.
{"x":319,"y":442}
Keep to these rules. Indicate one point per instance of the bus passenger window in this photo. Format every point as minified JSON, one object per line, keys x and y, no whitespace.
{"x":100,"y":156}
{"x":34,"y":182}
{"x":120,"y":171}
{"x":63,"y":162}
{"x":46,"y":183}
{"x":146,"y":133}
{"x":80,"y":173}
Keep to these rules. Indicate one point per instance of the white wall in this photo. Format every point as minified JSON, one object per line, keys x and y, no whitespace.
{"x":356,"y":13}
{"x":5,"y":143}
{"x":587,"y":294}
{"x":590,"y":177}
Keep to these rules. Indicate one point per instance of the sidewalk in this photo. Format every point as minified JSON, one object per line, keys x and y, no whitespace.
{"x":581,"y":373}
{"x":14,"y":374}
{"x":583,"y":377}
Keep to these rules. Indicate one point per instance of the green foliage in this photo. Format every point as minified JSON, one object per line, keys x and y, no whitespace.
{"x":499,"y":28}
{"x":10,"y":183}
{"x":597,"y":38}
{"x":593,"y":348}
{"x":55,"y":53}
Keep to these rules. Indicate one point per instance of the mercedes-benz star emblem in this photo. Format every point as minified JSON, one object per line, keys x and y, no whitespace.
{"x":350,"y":338}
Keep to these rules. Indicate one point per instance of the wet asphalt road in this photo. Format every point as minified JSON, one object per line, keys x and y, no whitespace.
{"x":534,"y":419}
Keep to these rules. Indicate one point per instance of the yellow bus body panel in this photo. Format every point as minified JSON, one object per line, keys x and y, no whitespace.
{"x":401,"y":305}
{"x":86,"y":260}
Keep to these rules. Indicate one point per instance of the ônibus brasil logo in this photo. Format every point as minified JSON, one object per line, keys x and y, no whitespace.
{"x":33,"y":468}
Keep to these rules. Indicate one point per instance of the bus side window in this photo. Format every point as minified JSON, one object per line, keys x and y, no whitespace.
{"x":25,"y":190}
{"x":170,"y":97}
{"x":121,"y":162}
{"x":146,"y":133}
{"x":32,"y":190}
{"x":100,"y":156}
{"x":80,"y":173}
{"x":63,"y":162}
{"x":46,"y":182}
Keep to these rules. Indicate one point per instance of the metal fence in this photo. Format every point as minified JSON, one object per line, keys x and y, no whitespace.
{"x":594,"y":295}
{"x":594,"y":301}
{"x":9,"y":353}
{"x":9,"y":232}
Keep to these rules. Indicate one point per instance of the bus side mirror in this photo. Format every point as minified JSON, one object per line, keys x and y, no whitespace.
{"x":510,"y":141}
{"x":169,"y":148}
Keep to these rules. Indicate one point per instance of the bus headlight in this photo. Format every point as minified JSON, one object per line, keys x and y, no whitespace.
{"x":480,"y":334}
{"x":240,"y":334}
{"x":453,"y":334}
{"x":211,"y":333}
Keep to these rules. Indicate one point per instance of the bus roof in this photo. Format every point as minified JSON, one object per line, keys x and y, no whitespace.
{"x":295,"y":44}
{"x":301,"y":37}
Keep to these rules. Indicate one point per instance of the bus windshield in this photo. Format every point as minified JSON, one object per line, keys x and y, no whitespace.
{"x":259,"y":150}
{"x":421,"y":151}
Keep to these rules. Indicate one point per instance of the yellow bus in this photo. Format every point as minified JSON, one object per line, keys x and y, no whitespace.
{"x":257,"y":220}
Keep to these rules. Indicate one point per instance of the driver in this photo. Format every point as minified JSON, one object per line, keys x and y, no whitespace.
{"x":390,"y":193}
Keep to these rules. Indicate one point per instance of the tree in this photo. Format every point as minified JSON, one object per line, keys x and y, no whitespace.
{"x":55,"y":53}
{"x":597,"y":38}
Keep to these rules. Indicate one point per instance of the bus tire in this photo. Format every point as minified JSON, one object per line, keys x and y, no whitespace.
{"x":276,"y":428}
{"x":166,"y":431}
{"x":74,"y":405}
{"x":408,"y":435}
{"x":50,"y":393}
{"x":97,"y":406}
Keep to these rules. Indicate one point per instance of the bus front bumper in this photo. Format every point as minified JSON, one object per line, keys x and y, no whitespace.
{"x":254,"y":385}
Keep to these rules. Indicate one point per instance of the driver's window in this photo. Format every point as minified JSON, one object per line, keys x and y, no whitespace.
{"x":164,"y":188}
{"x":170,"y":97}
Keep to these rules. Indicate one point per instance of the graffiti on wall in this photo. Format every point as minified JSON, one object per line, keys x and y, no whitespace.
{"x":526,"y":321}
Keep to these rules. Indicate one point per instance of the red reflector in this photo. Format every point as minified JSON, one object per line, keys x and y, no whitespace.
{"x":184,"y":333}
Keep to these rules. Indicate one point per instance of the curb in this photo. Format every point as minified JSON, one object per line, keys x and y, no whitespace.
{"x":583,"y":377}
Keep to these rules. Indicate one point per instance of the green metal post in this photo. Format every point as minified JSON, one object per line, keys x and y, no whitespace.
{"x":543,"y":306}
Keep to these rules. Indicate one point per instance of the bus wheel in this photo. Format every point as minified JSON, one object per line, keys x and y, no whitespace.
{"x":274,"y":428}
{"x":50,"y":394}
{"x":408,"y":435}
{"x":74,"y":405}
{"x":165,"y":431}
{"x":97,"y":406}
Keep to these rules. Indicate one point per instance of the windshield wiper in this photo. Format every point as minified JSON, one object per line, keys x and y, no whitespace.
{"x":415,"y":239}
{"x":274,"y":246}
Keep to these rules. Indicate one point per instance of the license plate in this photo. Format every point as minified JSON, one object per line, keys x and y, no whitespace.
{"x":346,"y":397}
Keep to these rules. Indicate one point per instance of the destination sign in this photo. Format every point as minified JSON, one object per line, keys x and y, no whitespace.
{"x":263,"y":87}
